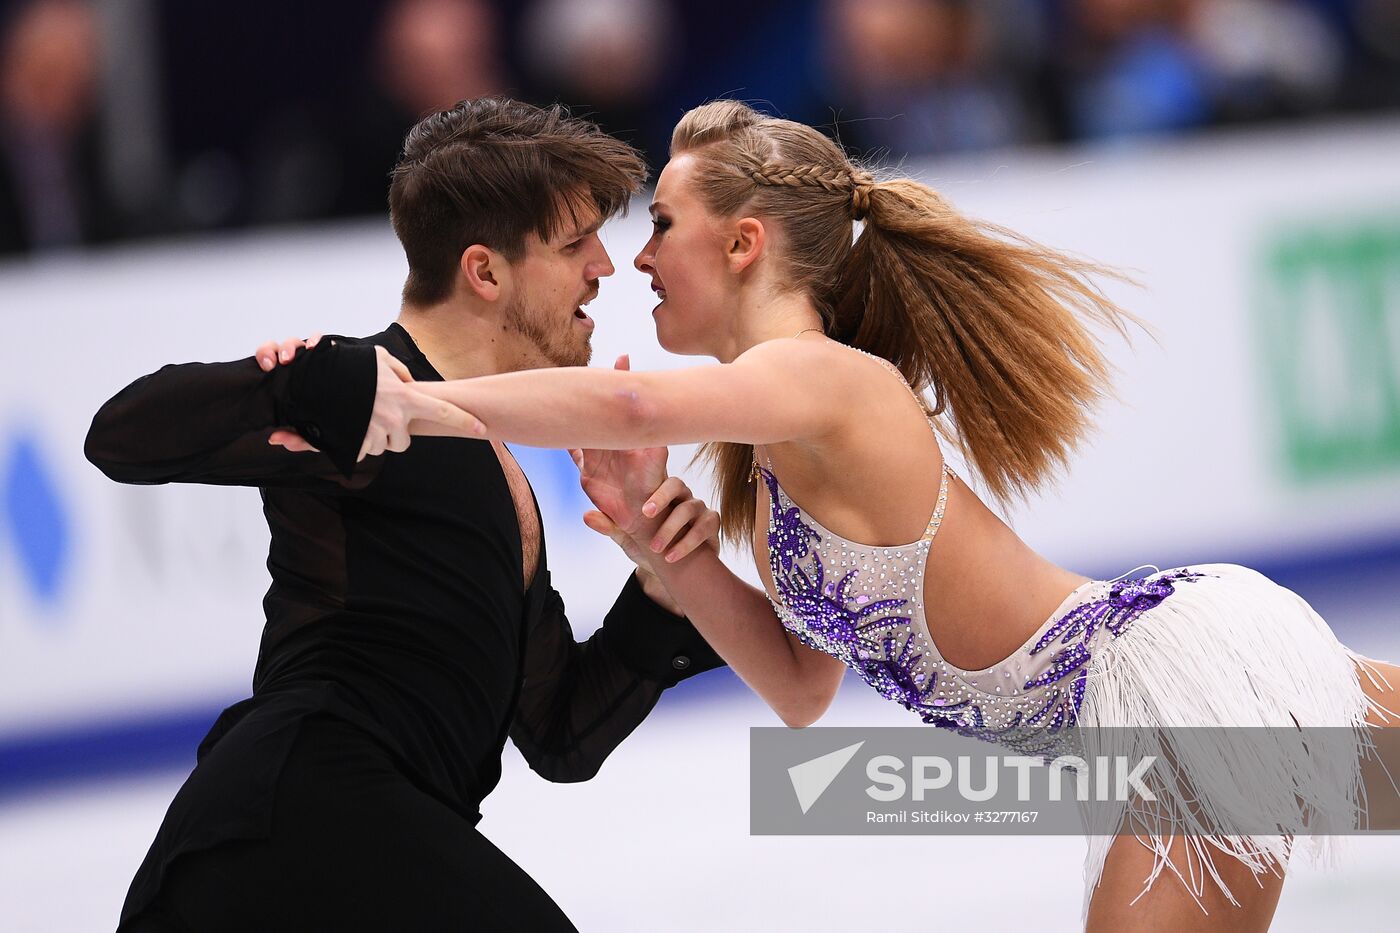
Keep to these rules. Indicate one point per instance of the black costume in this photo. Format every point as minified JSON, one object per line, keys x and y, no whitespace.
{"x":401,"y":648}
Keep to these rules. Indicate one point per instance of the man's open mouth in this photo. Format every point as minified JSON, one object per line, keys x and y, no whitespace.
{"x":582,"y":315}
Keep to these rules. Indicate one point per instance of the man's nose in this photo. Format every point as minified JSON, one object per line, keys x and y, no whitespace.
{"x":603,"y":268}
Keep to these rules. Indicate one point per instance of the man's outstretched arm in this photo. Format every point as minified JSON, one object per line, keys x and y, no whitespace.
{"x":209,"y":422}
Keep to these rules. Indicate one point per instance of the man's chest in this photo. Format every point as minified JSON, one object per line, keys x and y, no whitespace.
{"x":525,"y":512}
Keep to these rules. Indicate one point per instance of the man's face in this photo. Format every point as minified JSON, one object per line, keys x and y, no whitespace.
{"x":553,"y":280}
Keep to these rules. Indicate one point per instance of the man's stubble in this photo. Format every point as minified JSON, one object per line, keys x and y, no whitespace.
{"x":559,"y":346}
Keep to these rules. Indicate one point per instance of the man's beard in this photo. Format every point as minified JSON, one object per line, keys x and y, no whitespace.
{"x":560,"y":346}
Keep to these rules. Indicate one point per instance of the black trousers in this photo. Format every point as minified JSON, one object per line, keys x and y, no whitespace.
{"x":354,"y":847}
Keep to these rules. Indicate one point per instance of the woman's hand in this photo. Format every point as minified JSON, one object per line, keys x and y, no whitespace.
{"x":400,"y":409}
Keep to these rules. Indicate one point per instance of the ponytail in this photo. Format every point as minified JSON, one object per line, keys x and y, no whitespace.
{"x":991,"y":321}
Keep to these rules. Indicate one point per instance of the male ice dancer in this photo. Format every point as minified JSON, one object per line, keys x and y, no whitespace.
{"x":411,"y":624}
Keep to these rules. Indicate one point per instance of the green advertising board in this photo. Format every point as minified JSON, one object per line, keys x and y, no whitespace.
{"x":1328,"y":325}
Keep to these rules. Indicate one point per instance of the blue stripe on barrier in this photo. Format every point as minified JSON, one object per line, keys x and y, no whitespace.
{"x":167,"y":740}
{"x":163,"y":741}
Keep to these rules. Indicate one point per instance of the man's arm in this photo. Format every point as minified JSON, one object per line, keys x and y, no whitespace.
{"x":579,"y":700}
{"x":209,"y":422}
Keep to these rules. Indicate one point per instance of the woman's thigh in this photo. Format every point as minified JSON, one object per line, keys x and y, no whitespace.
{"x":1381,"y":684}
{"x":1167,"y":907}
{"x":1381,"y":772}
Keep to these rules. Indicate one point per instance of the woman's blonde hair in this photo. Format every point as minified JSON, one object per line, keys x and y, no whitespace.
{"x":990,"y":321}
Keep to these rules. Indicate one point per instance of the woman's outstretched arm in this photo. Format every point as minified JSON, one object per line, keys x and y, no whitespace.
{"x":779,"y":390}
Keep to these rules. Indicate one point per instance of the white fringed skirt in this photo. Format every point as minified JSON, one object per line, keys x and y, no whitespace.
{"x":1231,"y":649}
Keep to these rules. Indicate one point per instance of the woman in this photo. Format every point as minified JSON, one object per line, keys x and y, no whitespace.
{"x":872,"y":550}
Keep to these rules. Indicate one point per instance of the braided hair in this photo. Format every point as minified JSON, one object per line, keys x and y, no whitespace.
{"x":993,"y":324}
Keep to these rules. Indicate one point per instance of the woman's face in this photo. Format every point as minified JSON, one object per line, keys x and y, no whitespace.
{"x":686,"y":260}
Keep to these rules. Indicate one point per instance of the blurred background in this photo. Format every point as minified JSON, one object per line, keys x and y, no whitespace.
{"x":183,"y":180}
{"x":135,"y":118}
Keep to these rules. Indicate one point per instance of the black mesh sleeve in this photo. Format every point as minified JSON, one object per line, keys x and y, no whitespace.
{"x":580,"y":700}
{"x":209,"y":422}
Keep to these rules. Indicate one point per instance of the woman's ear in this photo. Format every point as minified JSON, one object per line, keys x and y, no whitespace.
{"x":746,"y":242}
{"x":485,"y":270}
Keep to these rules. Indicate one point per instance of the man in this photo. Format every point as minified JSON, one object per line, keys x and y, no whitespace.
{"x":411,"y":624}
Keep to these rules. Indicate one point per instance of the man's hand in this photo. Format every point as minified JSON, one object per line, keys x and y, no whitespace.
{"x":619,"y":481}
{"x":397,"y":403}
{"x":682,"y":523}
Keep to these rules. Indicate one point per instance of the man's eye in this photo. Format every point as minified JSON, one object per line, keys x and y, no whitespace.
{"x":573,"y":246}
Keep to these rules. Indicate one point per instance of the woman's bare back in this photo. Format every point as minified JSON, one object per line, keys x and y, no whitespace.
{"x":877,"y":482}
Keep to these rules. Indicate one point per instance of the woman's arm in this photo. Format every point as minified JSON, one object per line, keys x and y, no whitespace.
{"x":779,"y":390}
{"x":734,"y":617}
{"x":737,"y":620}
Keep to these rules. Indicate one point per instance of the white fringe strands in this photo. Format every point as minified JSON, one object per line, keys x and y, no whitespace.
{"x":1231,"y":649}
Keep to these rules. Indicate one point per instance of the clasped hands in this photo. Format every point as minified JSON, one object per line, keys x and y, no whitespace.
{"x":653,"y":517}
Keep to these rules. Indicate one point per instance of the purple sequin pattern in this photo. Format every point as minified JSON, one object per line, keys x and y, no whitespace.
{"x":876,"y":638}
{"x":1125,"y":601}
{"x":858,"y":629}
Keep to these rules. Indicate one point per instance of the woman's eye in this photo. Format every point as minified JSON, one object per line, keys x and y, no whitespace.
{"x":660,"y":224}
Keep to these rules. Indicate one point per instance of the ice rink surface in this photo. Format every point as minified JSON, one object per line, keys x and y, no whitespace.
{"x":659,"y":840}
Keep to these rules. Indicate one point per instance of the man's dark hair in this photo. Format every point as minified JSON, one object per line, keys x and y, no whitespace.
{"x":493,"y":170}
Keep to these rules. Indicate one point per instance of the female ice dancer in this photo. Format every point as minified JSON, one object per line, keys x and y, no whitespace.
{"x":876,"y":555}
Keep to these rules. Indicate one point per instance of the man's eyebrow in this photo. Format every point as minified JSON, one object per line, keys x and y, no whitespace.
{"x":589,"y":230}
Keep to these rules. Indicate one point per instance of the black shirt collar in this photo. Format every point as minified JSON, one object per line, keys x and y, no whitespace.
{"x":412,"y":357}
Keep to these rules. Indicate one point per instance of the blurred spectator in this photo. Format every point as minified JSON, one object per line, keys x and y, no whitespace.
{"x":52,"y":192}
{"x":254,"y":94}
{"x":921,"y":76}
{"x":433,"y":53}
{"x":1267,"y":58}
{"x":427,"y":55}
{"x":608,"y":59}
{"x":266,"y":111}
{"x":1373,"y":77}
{"x":1131,"y":67}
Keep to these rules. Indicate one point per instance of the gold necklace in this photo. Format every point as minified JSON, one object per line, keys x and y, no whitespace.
{"x":808,"y":330}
